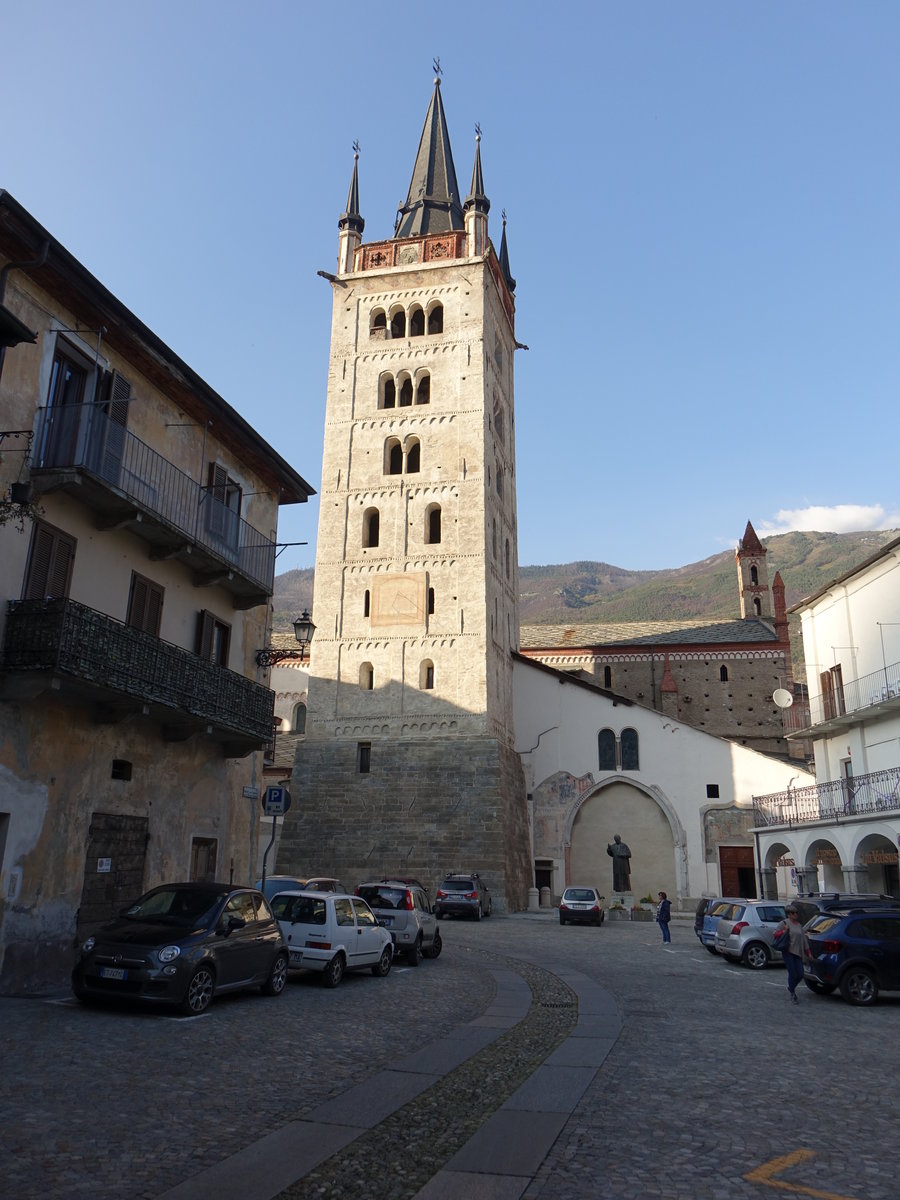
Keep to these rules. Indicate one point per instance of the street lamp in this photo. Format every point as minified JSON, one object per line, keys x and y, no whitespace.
{"x":303,"y":632}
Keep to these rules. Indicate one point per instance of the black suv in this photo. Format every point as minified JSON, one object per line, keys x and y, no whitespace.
{"x":808,"y":904}
{"x":856,"y":950}
{"x":463,"y":896}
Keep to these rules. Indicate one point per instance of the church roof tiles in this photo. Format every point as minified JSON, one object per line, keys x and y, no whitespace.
{"x":644,"y":633}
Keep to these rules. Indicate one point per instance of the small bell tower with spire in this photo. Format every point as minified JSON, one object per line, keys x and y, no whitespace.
{"x":753,"y":577}
{"x":409,"y":763}
{"x":350,"y":224}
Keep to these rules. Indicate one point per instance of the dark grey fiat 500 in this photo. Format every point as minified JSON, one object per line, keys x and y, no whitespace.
{"x":182,"y":944}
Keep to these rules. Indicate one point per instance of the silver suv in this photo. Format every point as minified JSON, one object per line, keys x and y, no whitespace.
{"x":403,"y":908}
{"x":745,"y":934}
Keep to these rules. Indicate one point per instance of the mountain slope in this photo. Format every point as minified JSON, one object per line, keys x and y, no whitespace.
{"x":586,"y":592}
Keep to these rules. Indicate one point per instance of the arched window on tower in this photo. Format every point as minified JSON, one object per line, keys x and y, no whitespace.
{"x":436,"y":318}
{"x":398,"y":323}
{"x":433,"y":524}
{"x":413,"y":455}
{"x":406,"y":392}
{"x":499,"y":432}
{"x":371,"y":530}
{"x":500,"y":483}
{"x":507,"y":558}
{"x":426,"y":675}
{"x":606,"y":750}
{"x":388,"y":390}
{"x":366,"y":677}
{"x":607,"y":677}
{"x":757,"y":606}
{"x":367,"y":603}
{"x":423,"y":388}
{"x":298,"y":719}
{"x":431,"y":601}
{"x":393,"y":457}
{"x":494,"y":537}
{"x":416,"y":322}
{"x":723,"y":674}
{"x":630,"y":758}
{"x":378,"y":323}
{"x":754,"y":575}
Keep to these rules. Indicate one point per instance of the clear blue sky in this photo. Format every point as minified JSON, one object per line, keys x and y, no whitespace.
{"x":704,"y":222}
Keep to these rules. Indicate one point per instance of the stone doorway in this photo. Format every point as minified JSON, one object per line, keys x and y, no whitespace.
{"x":113,"y":867}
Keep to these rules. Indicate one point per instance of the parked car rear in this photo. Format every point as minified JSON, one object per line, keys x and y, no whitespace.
{"x":404,"y":910}
{"x":745,"y":936}
{"x":332,"y":934}
{"x":463,"y":895}
{"x":581,"y":905}
{"x":856,"y":950}
{"x":719,"y":908}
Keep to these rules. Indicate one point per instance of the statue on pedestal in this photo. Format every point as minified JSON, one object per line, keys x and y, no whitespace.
{"x":621,"y":856}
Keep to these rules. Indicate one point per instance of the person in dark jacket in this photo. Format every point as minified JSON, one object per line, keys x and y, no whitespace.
{"x":663,"y":915}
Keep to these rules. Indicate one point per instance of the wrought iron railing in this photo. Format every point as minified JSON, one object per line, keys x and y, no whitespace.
{"x":851,"y":695}
{"x":83,"y":437}
{"x":62,"y":635}
{"x":839,"y":799}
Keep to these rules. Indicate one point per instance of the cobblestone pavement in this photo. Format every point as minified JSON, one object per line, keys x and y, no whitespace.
{"x":713,"y":1077}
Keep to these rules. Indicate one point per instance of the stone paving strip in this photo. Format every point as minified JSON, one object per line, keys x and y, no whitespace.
{"x":473,"y":1113}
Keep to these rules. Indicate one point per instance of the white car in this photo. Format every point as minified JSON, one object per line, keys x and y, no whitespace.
{"x":332,"y":934}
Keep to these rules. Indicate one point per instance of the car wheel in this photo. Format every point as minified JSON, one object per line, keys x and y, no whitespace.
{"x":562,"y":919}
{"x":821,"y":989}
{"x":199,"y":994}
{"x":334,"y":972}
{"x":490,"y":908}
{"x":711,"y":949}
{"x":478,"y":913}
{"x":436,"y":946}
{"x":383,"y":966}
{"x":414,"y":953}
{"x":859,"y":986}
{"x":755,"y":956}
{"x":274,"y":985}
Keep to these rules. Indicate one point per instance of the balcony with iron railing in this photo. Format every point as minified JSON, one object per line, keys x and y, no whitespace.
{"x":88,"y":657}
{"x":80,"y":450}
{"x":875,"y":794}
{"x":846,"y":703}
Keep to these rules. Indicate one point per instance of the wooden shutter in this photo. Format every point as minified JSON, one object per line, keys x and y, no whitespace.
{"x":50,"y":563}
{"x":145,"y":605}
{"x":205,"y":626}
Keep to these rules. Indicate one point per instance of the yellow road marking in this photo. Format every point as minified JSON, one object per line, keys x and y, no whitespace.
{"x":767,"y":1172}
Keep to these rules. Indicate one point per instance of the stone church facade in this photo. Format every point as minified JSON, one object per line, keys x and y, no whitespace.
{"x":408,"y":764}
{"x":717,"y":675}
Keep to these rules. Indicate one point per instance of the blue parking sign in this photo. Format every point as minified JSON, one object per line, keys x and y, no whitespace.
{"x":276,"y":800}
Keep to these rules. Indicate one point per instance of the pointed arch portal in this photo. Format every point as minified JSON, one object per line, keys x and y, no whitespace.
{"x":646,"y":822}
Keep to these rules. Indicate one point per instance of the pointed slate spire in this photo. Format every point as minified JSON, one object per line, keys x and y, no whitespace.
{"x":351,"y":220}
{"x":504,"y":258}
{"x":350,"y":223}
{"x":432,"y":205}
{"x":476,"y":198}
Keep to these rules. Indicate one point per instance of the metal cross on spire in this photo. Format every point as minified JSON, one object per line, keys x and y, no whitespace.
{"x":436,"y":65}
{"x":356,"y":147}
{"x":477,"y":131}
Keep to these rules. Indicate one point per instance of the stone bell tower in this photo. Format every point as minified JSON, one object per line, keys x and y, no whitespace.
{"x":409,"y":767}
{"x":753,"y":577}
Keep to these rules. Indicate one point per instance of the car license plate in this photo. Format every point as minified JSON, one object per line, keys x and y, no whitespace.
{"x":295,"y":957}
{"x":113,"y":973}
{"x":387,"y":922}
